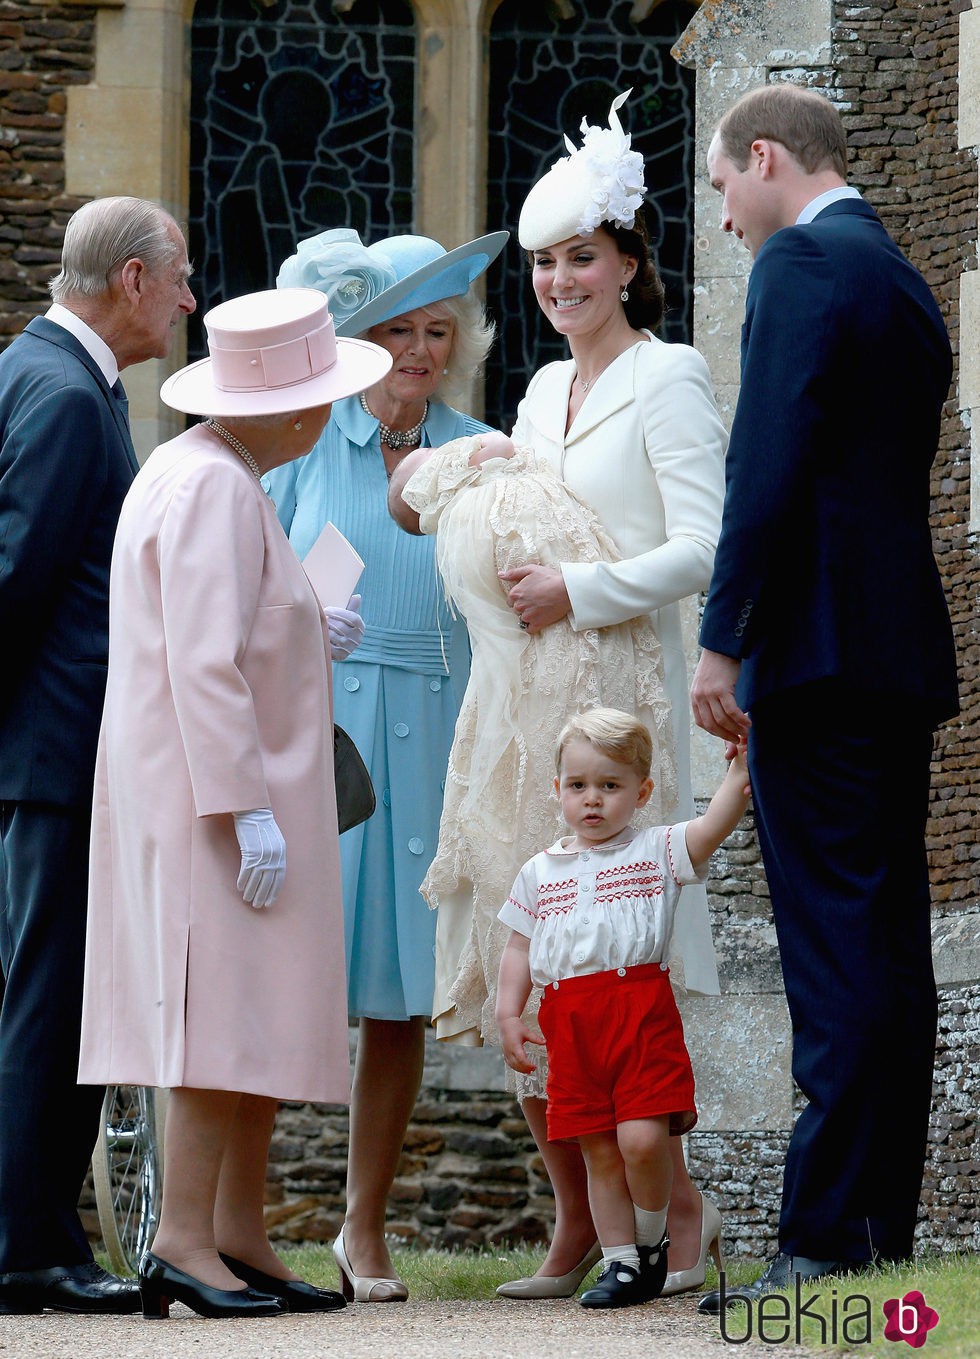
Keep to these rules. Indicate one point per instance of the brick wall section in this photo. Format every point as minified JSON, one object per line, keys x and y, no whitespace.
{"x":896,"y":64}
{"x":43,"y":50}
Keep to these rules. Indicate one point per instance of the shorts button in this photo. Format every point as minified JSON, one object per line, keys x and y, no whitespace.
{"x":435,"y":685}
{"x":620,"y":971}
{"x":415,"y":845}
{"x":555,"y":985}
{"x":386,"y":797}
{"x":351,"y":684}
{"x":401,"y":728}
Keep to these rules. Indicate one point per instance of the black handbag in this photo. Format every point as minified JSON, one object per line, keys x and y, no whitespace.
{"x":355,"y":791}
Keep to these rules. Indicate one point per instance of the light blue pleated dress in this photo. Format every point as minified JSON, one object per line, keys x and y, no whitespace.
{"x":398,"y":696}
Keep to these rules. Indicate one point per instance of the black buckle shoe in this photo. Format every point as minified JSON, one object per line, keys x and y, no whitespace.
{"x":653,"y":1267}
{"x":618,"y":1285}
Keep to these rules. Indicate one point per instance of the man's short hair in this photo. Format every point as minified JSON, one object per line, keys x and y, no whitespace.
{"x":102,"y":236}
{"x":805,"y":122}
{"x":617,"y":735}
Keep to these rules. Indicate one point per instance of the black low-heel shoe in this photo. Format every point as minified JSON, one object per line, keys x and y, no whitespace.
{"x":161,"y":1284}
{"x":618,"y":1285}
{"x":295,"y":1294}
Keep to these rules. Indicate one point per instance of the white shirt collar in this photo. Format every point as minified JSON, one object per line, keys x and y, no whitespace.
{"x":824,"y":200}
{"x":93,"y":344}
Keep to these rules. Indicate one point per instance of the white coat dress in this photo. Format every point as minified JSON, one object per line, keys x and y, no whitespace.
{"x":218,"y":701}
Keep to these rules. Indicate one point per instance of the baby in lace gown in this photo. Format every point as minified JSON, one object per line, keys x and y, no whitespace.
{"x":502,"y":512}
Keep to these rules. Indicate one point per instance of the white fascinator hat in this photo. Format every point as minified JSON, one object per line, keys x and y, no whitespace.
{"x":599,"y":181}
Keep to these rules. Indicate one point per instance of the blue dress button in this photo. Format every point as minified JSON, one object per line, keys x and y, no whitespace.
{"x":401,"y":728}
{"x":415,"y":845}
{"x":386,"y":797}
{"x":435,"y":685}
{"x":351,"y":683}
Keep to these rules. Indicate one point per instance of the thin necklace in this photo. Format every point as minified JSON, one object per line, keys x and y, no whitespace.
{"x":396,"y":438}
{"x":587,"y":385}
{"x":238,"y":446}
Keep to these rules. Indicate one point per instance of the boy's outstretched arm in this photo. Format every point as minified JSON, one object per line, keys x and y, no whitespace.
{"x":725,"y":810}
{"x":513,"y":989}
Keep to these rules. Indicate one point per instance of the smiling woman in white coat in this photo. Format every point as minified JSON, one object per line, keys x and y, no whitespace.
{"x":630,"y":425}
{"x":215,"y":958}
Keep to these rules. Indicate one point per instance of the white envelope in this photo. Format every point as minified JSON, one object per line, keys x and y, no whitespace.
{"x":333,"y":568}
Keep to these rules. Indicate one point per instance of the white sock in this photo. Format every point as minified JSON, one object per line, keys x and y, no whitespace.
{"x":650,"y":1226}
{"x":621,"y":1255}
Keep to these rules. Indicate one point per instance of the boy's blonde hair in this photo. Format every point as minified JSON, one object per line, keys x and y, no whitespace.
{"x":618,"y":735}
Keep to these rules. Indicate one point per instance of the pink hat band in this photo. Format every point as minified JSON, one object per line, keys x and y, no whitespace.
{"x":278,"y":364}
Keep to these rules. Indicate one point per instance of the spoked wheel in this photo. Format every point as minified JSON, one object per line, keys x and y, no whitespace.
{"x":127,"y":1169}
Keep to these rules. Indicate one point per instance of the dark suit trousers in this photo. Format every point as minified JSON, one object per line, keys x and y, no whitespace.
{"x":841,"y":785}
{"x":48,"y":1123}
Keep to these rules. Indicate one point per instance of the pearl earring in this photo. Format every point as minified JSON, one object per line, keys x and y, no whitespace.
{"x":298,"y":424}
{"x":445,"y":372}
{"x":625,"y":295}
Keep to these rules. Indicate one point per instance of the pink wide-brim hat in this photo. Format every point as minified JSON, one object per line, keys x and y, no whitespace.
{"x":271,"y":353}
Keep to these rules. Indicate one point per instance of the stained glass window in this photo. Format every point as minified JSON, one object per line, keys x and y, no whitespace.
{"x":301,"y":119}
{"x":547,"y":74}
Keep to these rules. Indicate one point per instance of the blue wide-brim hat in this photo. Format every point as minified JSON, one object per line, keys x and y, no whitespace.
{"x":366,"y":285}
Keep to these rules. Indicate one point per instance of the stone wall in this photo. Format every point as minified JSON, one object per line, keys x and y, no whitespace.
{"x":44,"y":49}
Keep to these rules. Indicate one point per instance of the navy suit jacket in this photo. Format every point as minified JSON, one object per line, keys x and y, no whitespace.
{"x":66,"y":463}
{"x":825,"y":564}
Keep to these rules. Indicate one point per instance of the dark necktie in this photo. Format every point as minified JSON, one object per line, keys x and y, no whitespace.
{"x":119,"y":392}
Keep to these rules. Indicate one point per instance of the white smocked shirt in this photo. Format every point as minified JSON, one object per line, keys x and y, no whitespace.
{"x":599,"y":909}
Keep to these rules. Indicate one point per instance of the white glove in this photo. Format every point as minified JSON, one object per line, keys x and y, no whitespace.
{"x":263,"y":856}
{"x":346,"y":628}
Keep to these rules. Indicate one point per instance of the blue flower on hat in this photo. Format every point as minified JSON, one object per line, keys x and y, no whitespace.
{"x":338,"y":264}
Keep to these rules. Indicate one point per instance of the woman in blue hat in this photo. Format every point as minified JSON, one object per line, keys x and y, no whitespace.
{"x":399,"y":693}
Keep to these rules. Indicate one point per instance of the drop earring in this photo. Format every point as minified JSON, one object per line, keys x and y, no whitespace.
{"x":625,"y":295}
{"x":297,"y":424}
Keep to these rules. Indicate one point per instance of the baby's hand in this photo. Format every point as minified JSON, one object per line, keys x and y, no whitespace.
{"x":493,"y":444}
{"x":514,"y":1033}
{"x":737,"y":753}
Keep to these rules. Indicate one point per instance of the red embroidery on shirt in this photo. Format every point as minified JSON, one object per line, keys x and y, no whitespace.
{"x":641,"y":879}
{"x":512,"y":901}
{"x":557,"y":897}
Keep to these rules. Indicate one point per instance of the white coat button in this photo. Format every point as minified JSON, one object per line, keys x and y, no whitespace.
{"x":351,"y":683}
{"x":415,"y":845}
{"x":401,"y":728}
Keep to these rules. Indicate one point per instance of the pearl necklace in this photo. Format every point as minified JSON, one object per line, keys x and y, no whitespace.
{"x":396,"y":438}
{"x":238,"y":446}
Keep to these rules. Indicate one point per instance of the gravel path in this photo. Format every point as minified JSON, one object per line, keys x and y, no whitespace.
{"x":669,"y":1329}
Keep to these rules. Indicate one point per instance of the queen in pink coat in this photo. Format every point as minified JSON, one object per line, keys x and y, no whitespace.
{"x":215,"y":950}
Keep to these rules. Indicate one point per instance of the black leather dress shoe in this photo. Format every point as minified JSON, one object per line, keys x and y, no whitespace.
{"x":780,"y":1273}
{"x":618,"y":1285}
{"x":295,"y":1294}
{"x":67,"y":1288}
{"x":162,"y":1283}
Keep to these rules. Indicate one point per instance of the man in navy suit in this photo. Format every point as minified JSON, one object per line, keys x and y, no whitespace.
{"x":826,"y":632}
{"x":66,"y":462}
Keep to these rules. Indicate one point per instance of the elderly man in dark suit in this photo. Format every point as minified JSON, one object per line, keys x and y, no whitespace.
{"x":66,"y":462}
{"x":826,"y":632}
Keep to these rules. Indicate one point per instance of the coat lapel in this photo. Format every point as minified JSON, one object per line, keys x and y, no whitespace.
{"x":43,"y":329}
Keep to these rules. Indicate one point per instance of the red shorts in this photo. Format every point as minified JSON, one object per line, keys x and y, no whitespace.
{"x":615,"y":1052}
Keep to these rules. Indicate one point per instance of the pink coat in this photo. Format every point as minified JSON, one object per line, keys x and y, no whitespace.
{"x":218,"y":700}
